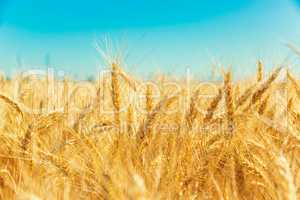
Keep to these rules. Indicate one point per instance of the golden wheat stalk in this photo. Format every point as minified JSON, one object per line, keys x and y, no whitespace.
{"x":288,"y":176}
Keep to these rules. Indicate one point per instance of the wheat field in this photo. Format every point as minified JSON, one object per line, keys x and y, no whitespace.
{"x":121,"y":137}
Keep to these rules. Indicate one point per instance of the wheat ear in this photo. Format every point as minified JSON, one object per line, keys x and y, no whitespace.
{"x":66,"y":96}
{"x":130,"y":119}
{"x":213,"y":106}
{"x":294,"y":83}
{"x":116,"y":99}
{"x":149,"y":100}
{"x":263,"y":105}
{"x":61,"y":164}
{"x":259,"y":71}
{"x":229,"y":101}
{"x":192,"y":112}
{"x":244,"y":97}
{"x":27,"y":138}
{"x":237,"y":92}
{"x":147,"y":127}
{"x":13,"y":104}
{"x":263,"y":88}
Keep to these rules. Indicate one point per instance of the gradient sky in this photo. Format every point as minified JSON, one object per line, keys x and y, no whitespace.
{"x":153,"y":35}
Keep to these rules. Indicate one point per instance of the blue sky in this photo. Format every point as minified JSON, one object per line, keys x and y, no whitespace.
{"x":168,"y":35}
{"x":57,"y":16}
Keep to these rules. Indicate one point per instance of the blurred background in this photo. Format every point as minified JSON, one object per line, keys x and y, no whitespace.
{"x":153,"y":36}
